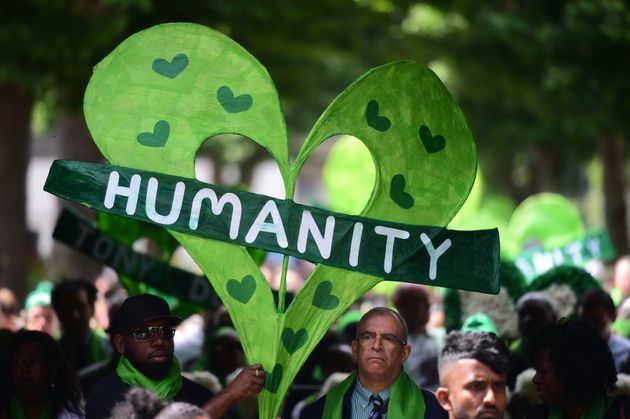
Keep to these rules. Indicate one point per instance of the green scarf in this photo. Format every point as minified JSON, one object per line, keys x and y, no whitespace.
{"x":17,"y":411}
{"x":405,"y":400}
{"x":595,"y":410}
{"x":166,"y":388}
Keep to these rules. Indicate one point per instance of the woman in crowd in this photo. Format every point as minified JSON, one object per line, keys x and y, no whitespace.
{"x":575,"y":373}
{"x":35,"y":380}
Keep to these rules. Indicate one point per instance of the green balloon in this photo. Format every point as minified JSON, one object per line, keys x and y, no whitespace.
{"x":545,"y":220}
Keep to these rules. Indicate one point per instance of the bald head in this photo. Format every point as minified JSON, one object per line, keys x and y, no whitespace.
{"x":384,"y":311}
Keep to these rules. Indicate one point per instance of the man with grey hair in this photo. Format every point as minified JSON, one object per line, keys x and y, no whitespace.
{"x":379,"y":388}
{"x":473,"y":376}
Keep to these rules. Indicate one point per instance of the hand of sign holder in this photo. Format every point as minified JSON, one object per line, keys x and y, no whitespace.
{"x":161,"y":93}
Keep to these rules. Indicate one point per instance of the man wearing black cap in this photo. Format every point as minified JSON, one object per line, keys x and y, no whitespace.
{"x":142,"y":331}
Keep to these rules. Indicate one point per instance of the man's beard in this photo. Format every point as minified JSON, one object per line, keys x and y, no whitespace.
{"x":154,"y":370}
{"x":458,"y":414}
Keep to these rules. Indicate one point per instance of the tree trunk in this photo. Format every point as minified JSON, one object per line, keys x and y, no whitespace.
{"x":16,"y":247}
{"x":75,"y":143}
{"x":611,"y":149}
{"x":544,"y":161}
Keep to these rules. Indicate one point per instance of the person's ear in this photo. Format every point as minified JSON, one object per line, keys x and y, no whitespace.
{"x":444,"y":398}
{"x":406,"y":350}
{"x":355,"y":346}
{"x":119,"y":343}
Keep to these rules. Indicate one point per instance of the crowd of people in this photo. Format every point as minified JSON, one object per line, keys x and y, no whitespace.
{"x":82,"y":348}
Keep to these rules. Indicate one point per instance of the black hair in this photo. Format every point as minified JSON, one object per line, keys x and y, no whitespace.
{"x":484,"y":347}
{"x":64,"y":392}
{"x":597,"y":297}
{"x":580,"y":356}
{"x":380,"y":311}
{"x":72,"y":285}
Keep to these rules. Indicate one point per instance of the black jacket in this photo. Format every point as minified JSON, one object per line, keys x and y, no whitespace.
{"x":111,"y":389}
{"x":316,"y":410}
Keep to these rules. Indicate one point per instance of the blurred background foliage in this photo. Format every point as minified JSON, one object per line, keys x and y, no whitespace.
{"x":544,"y":85}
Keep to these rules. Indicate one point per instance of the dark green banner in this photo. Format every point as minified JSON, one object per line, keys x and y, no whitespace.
{"x":594,"y":246}
{"x":83,"y":236}
{"x":398,"y":252}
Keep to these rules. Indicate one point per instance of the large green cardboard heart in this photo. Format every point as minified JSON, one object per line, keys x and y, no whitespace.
{"x":118,"y":105}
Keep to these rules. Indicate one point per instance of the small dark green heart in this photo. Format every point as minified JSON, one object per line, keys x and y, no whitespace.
{"x":397,"y":192}
{"x":233,"y":104}
{"x":170,"y":69}
{"x":431,"y":143}
{"x":158,"y":137}
{"x":377,"y":122}
{"x":242,"y":290}
{"x":293,"y":341}
{"x":272,"y":379}
{"x":323,"y":298}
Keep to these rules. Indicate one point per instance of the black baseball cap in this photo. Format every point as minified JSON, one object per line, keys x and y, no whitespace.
{"x":138,"y":309}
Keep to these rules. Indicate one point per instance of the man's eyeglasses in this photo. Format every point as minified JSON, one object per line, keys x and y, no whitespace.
{"x":368,"y":338}
{"x":144,"y":334}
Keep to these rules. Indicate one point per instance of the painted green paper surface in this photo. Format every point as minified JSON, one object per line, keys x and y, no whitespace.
{"x":153,"y":101}
{"x":399,"y":252}
{"x":85,"y":237}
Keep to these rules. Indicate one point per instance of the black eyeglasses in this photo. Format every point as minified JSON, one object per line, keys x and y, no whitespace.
{"x":368,"y":338}
{"x":144,"y":334}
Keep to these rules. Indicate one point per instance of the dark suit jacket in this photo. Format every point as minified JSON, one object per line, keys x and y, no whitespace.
{"x":316,"y":410}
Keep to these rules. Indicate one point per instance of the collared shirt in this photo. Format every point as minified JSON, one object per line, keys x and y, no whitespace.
{"x":361,"y":404}
{"x":619,"y":347}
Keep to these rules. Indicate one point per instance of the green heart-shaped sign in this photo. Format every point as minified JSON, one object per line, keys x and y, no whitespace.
{"x":170,"y":69}
{"x":323,"y":298}
{"x":202,"y":104}
{"x":398,"y":194}
{"x":431,"y":143}
{"x":158,"y":137}
{"x":233,"y":104}
{"x":293,"y":341}
{"x":242,"y":291}
{"x":374,"y":120}
{"x":274,"y":378}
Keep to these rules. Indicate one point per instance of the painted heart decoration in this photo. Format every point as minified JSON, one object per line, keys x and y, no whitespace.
{"x":220,"y":88}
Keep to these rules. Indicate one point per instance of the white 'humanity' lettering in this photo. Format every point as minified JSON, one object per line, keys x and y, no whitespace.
{"x":268,"y":220}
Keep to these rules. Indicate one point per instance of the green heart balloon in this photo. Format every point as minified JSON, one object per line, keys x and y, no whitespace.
{"x":545,"y":220}
{"x":126,"y":97}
